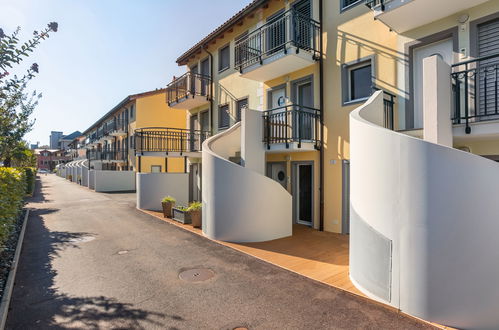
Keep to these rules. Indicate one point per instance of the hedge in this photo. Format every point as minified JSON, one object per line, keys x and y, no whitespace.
{"x":12,"y":192}
{"x":30,"y":173}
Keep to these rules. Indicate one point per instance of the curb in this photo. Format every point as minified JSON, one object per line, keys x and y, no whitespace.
{"x":9,"y":286}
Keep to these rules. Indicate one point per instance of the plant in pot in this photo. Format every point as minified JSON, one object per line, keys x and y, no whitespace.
{"x":181,"y":214}
{"x":168,"y":202}
{"x":195,"y":213}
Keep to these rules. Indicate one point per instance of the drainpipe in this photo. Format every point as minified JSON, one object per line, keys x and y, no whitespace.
{"x":321,"y":116}
{"x":211,"y":86}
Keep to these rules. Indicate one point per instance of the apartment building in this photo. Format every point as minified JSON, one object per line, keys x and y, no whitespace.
{"x":110,"y":140}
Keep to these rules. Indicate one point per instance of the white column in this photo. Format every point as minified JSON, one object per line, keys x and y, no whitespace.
{"x":437,"y":104}
{"x":252,"y":147}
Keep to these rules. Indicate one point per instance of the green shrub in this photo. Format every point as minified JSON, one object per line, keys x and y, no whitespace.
{"x":195,"y":206}
{"x":169,"y":199}
{"x":30,"y":174}
{"x":12,"y":192}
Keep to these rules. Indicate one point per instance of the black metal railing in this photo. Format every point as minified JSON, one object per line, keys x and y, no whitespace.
{"x":291,"y":29}
{"x":291,"y":123}
{"x":164,"y":139}
{"x":375,"y":3}
{"x":388,"y":108}
{"x":117,"y":125}
{"x":189,"y":84}
{"x":475,"y":85}
{"x":107,"y":154}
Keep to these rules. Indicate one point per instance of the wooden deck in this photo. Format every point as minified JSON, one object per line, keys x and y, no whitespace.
{"x":321,"y":256}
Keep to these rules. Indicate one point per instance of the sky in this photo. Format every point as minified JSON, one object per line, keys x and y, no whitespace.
{"x":104,"y":51}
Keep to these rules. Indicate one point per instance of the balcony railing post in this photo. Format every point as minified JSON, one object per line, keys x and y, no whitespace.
{"x":300,"y":128}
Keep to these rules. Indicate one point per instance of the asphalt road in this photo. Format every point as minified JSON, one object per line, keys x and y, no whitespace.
{"x":93,"y":261}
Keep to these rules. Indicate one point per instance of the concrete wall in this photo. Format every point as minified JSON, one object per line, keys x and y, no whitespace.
{"x":239,"y":204}
{"x":152,"y":187}
{"x":111,"y":181}
{"x":91,"y":179}
{"x":84,"y":176}
{"x":423,"y":225}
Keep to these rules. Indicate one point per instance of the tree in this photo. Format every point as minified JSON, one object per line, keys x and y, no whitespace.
{"x":22,"y":156}
{"x":17,"y":105}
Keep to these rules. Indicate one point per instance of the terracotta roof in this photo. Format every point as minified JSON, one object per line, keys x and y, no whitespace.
{"x":221,"y":29}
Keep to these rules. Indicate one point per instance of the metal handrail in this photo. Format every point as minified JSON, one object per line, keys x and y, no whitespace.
{"x":189,"y":84}
{"x":292,"y":28}
{"x":291,"y":123}
{"x":166,"y":139}
{"x":475,"y":85}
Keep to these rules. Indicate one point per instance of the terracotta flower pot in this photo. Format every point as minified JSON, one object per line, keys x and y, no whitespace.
{"x":167,"y":209}
{"x":196,"y":218}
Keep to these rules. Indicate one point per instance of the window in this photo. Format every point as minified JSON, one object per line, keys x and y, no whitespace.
{"x":241,"y":104}
{"x":357,"y":80}
{"x":155,"y":168}
{"x":224,"y":58}
{"x":223,"y":116}
{"x":349,"y":3}
{"x":132,"y":112}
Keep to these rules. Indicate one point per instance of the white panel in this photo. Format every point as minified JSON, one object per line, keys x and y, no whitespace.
{"x":152,"y":187}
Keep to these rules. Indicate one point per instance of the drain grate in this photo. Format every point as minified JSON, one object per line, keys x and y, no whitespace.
{"x":196,"y":275}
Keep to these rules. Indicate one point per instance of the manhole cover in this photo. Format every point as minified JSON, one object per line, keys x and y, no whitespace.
{"x":196,"y":275}
{"x":123,"y":252}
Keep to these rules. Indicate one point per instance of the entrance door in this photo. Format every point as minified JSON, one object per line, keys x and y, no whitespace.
{"x":277,"y":172}
{"x":195,"y":182}
{"x":277,"y":121}
{"x":486,"y":73}
{"x":205,"y":72}
{"x":444,"y":49}
{"x":303,"y":120}
{"x":193,"y":127}
{"x":193,"y":87}
{"x":303,"y":193}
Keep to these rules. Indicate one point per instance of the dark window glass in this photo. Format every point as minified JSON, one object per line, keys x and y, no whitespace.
{"x":224,"y":58}
{"x":360,"y":82}
{"x":223,"y":116}
{"x":240,"y":105}
{"x":346,"y":3}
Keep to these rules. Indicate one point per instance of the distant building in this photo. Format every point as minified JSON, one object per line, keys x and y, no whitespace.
{"x":65,"y":140}
{"x":34,"y":146}
{"x":48,"y":158}
{"x":54,"y":139}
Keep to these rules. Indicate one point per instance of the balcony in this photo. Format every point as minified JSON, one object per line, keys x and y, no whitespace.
{"x":189,"y":91}
{"x":107,"y":155}
{"x":476,"y":95}
{"x":291,"y":128}
{"x":118,"y":128}
{"x":284,"y":45}
{"x":405,"y":15}
{"x":172,"y":142}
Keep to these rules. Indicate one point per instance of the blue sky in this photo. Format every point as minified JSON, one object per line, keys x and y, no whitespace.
{"x":106,"y":50}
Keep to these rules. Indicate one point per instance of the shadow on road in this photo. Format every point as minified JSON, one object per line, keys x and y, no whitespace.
{"x":37,"y":302}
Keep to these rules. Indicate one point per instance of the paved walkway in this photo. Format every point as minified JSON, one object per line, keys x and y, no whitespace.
{"x":93,"y":261}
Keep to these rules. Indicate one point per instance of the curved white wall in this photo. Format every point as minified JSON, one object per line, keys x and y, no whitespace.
{"x":424,"y":224}
{"x":91,"y":179}
{"x":152,"y":187}
{"x":239,"y":204}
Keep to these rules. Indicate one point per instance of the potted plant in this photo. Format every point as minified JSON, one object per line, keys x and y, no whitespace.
{"x":168,"y":202}
{"x":181,"y":214}
{"x":195,"y":213}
